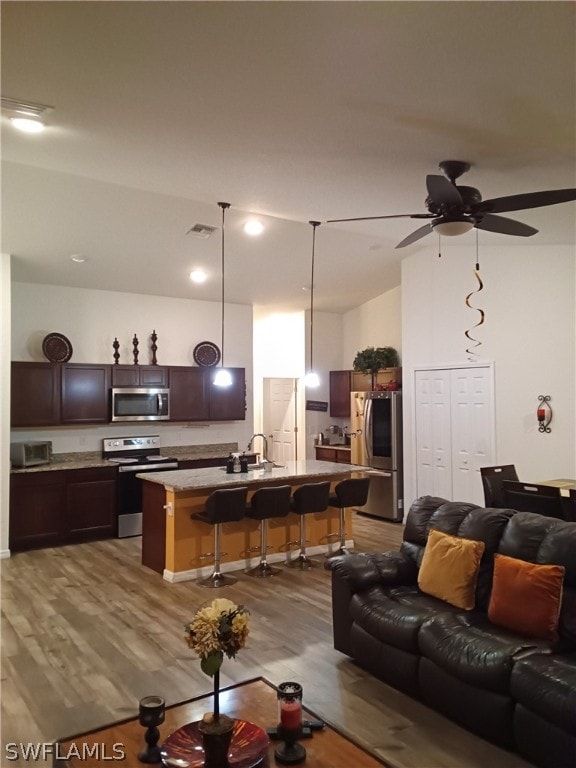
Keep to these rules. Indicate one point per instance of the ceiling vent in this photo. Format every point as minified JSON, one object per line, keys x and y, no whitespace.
{"x":24,"y":108}
{"x":202,"y":230}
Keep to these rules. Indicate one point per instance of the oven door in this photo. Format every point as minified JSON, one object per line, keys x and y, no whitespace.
{"x":130,"y":497}
{"x":140,"y":404}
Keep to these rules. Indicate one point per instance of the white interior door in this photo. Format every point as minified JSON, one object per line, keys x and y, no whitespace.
{"x":472,"y":431}
{"x":433,"y":435}
{"x":454,"y":411}
{"x":279,"y":419}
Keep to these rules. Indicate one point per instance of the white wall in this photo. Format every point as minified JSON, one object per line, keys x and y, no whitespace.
{"x":529,"y":333}
{"x":4,"y":402}
{"x":91,"y":319}
{"x":377,"y":323}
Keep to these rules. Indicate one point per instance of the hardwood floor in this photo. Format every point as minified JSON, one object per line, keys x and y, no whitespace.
{"x":87,"y":631}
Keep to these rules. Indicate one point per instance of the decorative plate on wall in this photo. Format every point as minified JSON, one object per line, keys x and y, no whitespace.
{"x":57,"y":348}
{"x":206,"y":354}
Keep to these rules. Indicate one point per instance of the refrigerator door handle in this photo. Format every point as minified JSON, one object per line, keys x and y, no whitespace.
{"x":368,"y":429}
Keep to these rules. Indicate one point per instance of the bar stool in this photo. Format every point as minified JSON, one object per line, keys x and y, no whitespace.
{"x":308,"y":498}
{"x":266,"y":504}
{"x":348,"y":493}
{"x":226,"y":505}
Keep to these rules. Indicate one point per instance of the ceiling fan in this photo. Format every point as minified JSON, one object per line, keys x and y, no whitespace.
{"x":458,"y":209}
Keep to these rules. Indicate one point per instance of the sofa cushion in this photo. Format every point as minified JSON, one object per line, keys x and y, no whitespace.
{"x":526,"y":597}
{"x":546,"y":685}
{"x":449,"y":569}
{"x":394,"y":615}
{"x":471,"y":648}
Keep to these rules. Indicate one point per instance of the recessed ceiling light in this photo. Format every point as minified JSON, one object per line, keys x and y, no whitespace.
{"x":253,"y":227}
{"x":27,"y":124}
{"x":198,"y":276}
{"x":77,"y":258}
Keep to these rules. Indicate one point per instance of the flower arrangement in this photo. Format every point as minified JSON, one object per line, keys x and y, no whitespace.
{"x":219,"y":628}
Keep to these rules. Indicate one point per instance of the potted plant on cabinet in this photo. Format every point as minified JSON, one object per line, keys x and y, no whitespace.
{"x":373,"y":359}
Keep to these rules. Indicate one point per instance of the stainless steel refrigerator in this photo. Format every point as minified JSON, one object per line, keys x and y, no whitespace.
{"x":380,"y":435}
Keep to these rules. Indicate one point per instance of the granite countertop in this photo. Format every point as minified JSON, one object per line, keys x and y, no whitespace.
{"x":91,"y":459}
{"x":337,"y":446}
{"x":217,"y":477}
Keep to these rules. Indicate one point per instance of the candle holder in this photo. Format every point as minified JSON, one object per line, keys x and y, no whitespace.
{"x":290,"y":751}
{"x":544,"y":413}
{"x":152,"y":713}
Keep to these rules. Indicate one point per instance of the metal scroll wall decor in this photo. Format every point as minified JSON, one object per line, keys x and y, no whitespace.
{"x":544,"y":413}
{"x":475,"y":343}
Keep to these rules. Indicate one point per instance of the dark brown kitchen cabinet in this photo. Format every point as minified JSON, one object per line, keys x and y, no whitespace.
{"x":50,"y":508}
{"x":35,"y":397}
{"x":139,"y":376}
{"x":85,"y":394}
{"x":37,"y":509}
{"x":228,"y":403}
{"x":340,"y":455}
{"x":193,"y":396}
{"x":340,"y":388}
{"x":188,"y":394}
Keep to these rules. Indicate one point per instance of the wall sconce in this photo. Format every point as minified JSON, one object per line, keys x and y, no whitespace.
{"x":544,"y":413}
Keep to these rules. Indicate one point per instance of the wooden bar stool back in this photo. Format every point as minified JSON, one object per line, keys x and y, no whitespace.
{"x":266,"y":504}
{"x":226,"y":505}
{"x":308,"y":498}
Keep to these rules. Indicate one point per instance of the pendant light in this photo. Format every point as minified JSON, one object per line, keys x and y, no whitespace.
{"x":311,"y":379}
{"x":222,"y":377}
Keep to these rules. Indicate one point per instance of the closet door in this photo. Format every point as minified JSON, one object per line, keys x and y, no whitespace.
{"x":454,"y":432}
{"x":433,"y":434}
{"x":472,"y":431}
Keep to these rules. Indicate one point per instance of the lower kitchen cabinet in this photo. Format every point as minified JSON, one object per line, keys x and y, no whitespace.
{"x":341,"y":455}
{"x":37,"y":509}
{"x":91,"y":504}
{"x":61,"y":507}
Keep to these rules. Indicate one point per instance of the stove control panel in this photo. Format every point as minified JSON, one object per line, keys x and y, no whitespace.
{"x":113,"y":444}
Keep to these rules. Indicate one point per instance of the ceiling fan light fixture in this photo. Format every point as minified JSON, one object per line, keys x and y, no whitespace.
{"x":453,"y":226}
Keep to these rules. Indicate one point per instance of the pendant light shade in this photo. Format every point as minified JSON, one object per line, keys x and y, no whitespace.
{"x":312,"y":379}
{"x":222,"y":377}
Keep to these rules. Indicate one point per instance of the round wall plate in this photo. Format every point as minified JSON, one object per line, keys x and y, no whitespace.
{"x":57,"y":348}
{"x":206,"y":354}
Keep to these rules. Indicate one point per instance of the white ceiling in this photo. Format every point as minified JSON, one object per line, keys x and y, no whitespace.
{"x":293,"y":110}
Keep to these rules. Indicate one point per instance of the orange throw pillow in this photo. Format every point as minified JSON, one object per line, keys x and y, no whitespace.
{"x":449,"y":569}
{"x":526,"y":597}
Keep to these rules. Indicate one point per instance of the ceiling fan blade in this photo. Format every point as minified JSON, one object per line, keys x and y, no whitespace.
{"x":442,"y":192}
{"x":528,"y":200}
{"x":395,"y":216}
{"x":416,"y":235}
{"x":504,"y":226}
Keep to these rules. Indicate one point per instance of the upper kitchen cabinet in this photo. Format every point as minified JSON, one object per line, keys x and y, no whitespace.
{"x":228,"y":403}
{"x":139,"y":376}
{"x":85,"y":394}
{"x":35,"y":397}
{"x":342,"y":383}
{"x":188,"y":394}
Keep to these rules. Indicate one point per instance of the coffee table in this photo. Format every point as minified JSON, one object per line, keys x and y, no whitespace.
{"x":254,"y":700}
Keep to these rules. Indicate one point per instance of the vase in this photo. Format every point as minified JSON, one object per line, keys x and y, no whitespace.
{"x":216,"y":738}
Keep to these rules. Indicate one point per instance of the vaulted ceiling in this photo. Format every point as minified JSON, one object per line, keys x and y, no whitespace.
{"x":290,"y":110}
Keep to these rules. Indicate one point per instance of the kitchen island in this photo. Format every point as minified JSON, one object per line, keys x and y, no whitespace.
{"x":173,"y":541}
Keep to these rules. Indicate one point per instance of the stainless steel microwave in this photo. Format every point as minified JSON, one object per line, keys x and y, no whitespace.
{"x":31,"y":453}
{"x":140,"y":404}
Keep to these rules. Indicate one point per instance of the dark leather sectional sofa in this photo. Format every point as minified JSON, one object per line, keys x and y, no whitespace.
{"x":511,"y":689}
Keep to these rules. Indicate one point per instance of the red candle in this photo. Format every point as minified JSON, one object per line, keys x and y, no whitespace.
{"x":290,"y":715}
{"x":541,"y":414}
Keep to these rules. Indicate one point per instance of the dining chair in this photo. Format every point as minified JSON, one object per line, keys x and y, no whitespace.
{"x":531,"y":497}
{"x":569,"y":505}
{"x":492,"y":478}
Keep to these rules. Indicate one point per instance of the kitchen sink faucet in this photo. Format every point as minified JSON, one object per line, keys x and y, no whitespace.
{"x":265,"y":441}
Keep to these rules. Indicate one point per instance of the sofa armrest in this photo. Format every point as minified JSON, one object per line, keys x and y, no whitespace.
{"x":356,"y":573}
{"x":362,"y":571}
